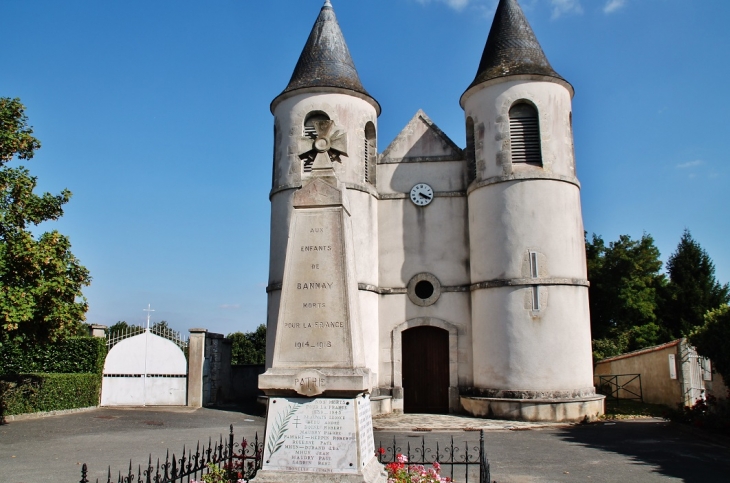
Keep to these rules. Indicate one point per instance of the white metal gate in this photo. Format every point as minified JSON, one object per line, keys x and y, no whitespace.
{"x":695,"y":371}
{"x":145,"y":370}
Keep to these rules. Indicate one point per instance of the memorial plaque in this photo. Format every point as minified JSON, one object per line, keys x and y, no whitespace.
{"x":313,"y":326}
{"x":318,"y":435}
{"x":365,"y":427}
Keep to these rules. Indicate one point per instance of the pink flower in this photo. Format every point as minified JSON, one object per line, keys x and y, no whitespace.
{"x":401,"y":458}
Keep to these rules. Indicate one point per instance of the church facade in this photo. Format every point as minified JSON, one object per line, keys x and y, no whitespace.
{"x":470,"y":262}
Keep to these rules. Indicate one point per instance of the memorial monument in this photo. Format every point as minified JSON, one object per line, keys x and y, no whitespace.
{"x":428,"y":277}
{"x":319,"y":419}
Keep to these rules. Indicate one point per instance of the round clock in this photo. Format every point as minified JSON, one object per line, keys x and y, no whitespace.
{"x":421,"y":194}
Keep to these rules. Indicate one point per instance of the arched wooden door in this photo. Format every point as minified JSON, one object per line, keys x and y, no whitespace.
{"x":425,"y":362}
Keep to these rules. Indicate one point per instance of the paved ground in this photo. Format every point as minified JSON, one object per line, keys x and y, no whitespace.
{"x":444,"y":422}
{"x":53,"y":448}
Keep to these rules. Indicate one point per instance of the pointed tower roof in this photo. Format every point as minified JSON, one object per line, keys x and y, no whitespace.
{"x":325,"y":60}
{"x":512,"y":48}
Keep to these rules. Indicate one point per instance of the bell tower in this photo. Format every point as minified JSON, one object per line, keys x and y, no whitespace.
{"x":529,"y":293}
{"x":325,"y":114}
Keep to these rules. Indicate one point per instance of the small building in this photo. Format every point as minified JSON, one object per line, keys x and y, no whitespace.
{"x":670,"y":374}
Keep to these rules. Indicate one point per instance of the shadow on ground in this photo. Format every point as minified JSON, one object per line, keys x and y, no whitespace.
{"x":670,"y":449}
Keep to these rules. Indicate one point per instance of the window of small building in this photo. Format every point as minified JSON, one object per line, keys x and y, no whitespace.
{"x":524,"y":134}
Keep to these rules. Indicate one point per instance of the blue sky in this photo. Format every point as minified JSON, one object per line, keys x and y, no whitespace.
{"x":156,"y":116}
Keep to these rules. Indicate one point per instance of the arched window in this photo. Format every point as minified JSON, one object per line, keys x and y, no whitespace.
{"x":471,"y":161}
{"x":370,"y":155}
{"x":524,"y":134}
{"x":309,"y":131}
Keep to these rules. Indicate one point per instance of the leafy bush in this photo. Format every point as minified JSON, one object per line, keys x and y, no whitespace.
{"x":31,"y":393}
{"x":711,"y":414}
{"x":73,"y":355}
{"x":249,"y":347}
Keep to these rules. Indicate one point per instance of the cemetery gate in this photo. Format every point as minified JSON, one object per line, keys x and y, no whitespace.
{"x":145,"y":367}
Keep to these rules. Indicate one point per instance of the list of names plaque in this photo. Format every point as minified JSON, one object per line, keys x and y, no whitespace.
{"x":312,"y":435}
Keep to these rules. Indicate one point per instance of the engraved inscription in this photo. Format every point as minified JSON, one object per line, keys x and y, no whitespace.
{"x":314,"y":285}
{"x":314,"y":311}
{"x":365,"y":428}
{"x":318,"y":436}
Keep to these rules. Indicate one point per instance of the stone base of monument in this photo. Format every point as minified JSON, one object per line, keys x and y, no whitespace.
{"x":553,"y":410}
{"x":320,"y":439}
{"x":373,"y":472}
{"x":313,"y":382}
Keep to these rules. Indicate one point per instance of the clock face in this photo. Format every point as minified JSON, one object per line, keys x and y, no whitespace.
{"x":421,"y":194}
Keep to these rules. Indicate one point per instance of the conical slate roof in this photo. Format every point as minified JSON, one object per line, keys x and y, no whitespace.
{"x":325,"y":60}
{"x":512,"y":48}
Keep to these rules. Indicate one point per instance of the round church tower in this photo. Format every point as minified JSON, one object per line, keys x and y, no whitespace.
{"x":325,"y":86}
{"x":530,"y":319}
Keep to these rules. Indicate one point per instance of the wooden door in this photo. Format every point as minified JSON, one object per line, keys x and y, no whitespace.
{"x":425,"y":370}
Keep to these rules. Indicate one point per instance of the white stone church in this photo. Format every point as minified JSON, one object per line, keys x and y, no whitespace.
{"x":470,"y":262}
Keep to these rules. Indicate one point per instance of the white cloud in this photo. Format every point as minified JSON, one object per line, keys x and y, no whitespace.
{"x":562,"y":7}
{"x":691,"y":164}
{"x":613,"y":5}
{"x":457,"y":5}
{"x":230,"y":306}
{"x":559,"y":7}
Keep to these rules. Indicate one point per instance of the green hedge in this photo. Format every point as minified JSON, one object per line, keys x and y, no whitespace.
{"x":69,"y":356}
{"x":32,"y":393}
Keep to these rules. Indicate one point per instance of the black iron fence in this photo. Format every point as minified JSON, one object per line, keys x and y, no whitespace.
{"x":238,"y":461}
{"x":620,"y":386}
{"x":241,"y":461}
{"x":462,"y":460}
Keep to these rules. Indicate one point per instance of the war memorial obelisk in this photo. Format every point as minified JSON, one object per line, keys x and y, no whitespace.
{"x":318,"y":353}
{"x":318,"y":422}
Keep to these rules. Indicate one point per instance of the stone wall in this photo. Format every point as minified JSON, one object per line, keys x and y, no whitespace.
{"x":217,"y":370}
{"x":245,"y":383}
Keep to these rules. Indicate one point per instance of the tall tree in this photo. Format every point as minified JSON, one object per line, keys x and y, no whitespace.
{"x":249,"y":347}
{"x":625,"y":293}
{"x":712,"y":339}
{"x":40,"y":279}
{"x":693,"y":289}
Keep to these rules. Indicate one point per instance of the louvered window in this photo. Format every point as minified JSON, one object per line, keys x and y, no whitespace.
{"x":367,"y":159}
{"x":471,"y":162}
{"x":310,"y":131}
{"x":524,"y":134}
{"x":370,"y":154}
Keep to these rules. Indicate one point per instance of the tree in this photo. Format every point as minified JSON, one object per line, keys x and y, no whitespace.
{"x":692,"y":290}
{"x":16,"y":137}
{"x":40,"y":279}
{"x":161,"y":325}
{"x":712,"y":339}
{"x":625,"y":294}
{"x":249,"y":347}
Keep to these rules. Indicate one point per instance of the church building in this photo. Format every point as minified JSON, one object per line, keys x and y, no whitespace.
{"x":470,"y":261}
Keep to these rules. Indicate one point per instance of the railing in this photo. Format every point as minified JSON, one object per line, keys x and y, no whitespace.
{"x":240,"y":461}
{"x":450,"y":457}
{"x":619,"y":386}
{"x":172,"y":335}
